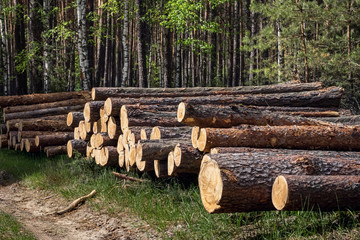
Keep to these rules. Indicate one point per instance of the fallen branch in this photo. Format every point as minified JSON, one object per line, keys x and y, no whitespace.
{"x":75,"y":203}
{"x":123,"y":176}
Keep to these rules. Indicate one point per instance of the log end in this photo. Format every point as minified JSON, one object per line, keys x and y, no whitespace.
{"x":177,"y":155}
{"x":37,"y":141}
{"x":170,"y":163}
{"x":155,"y":133}
{"x":108,"y":107}
{"x":69,"y":119}
{"x":202,"y":140}
{"x":27,"y":145}
{"x":194,"y":136}
{"x":87,"y":112}
{"x":138,"y":158}
{"x":132,"y":155}
{"x":210,"y":184}
{"x":69,"y":149}
{"x":124,"y":121}
{"x":280,"y":193}
{"x":112,"y":128}
{"x":127,"y":157}
{"x":121,"y":159}
{"x":120,"y":145}
{"x":143,"y":135}
{"x":103,"y":160}
{"x":89,"y":150}
{"x":181,"y":112}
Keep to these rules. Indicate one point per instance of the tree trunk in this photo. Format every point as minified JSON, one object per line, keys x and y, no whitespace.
{"x":92,"y":110}
{"x":82,"y":44}
{"x":160,"y":168}
{"x":348,"y":120}
{"x":242,"y":182}
{"x":76,"y":145}
{"x":53,"y":140}
{"x":103,"y":139}
{"x":73,"y":118}
{"x":113,"y":128}
{"x":43,"y":125}
{"x":296,"y":137}
{"x":111,"y":157}
{"x":30,"y":145}
{"x":52,"y":151}
{"x":187,"y":159}
{"x":326,"y":193}
{"x":33,"y":134}
{"x":170,"y":132}
{"x":125,"y":44}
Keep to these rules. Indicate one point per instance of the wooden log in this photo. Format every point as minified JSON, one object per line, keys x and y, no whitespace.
{"x":44,"y":125}
{"x":82,"y":131}
{"x":148,"y":119}
{"x":3,"y":128}
{"x":3,"y":141}
{"x":8,"y":101}
{"x":127,"y":157}
{"x":76,"y":133}
{"x":111,"y":157}
{"x":26,"y":108}
{"x":120,"y":145}
{"x":89,"y":150}
{"x":97,"y":155}
{"x":13,"y":125}
{"x":103,"y":140}
{"x":53,"y":139}
{"x":73,"y":118}
{"x":41,"y":112}
{"x":325,"y":193}
{"x":30,"y":145}
{"x":22,"y":145}
{"x":293,"y":109}
{"x":121,"y":160}
{"x":17,"y":147}
{"x":52,"y":151}
{"x":170,"y":163}
{"x":113,"y":128}
{"x":76,"y":145}
{"x":103,"y":126}
{"x":186,"y":158}
{"x":97,"y":126}
{"x":160,"y":168}
{"x":296,"y":137}
{"x":33,"y":134}
{"x":99,"y":94}
{"x":195,"y":132}
{"x":103,"y":115}
{"x":170,"y":132}
{"x":132,"y":155}
{"x":348,"y":120}
{"x":11,"y":136}
{"x":134,"y":134}
{"x":325,"y":114}
{"x":92,"y":110}
{"x":242,"y":182}
{"x":225,"y":117}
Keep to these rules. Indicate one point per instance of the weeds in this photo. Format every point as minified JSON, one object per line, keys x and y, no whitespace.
{"x":10,"y":229}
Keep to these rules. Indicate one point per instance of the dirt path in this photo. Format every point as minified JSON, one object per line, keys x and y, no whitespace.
{"x":32,"y":209}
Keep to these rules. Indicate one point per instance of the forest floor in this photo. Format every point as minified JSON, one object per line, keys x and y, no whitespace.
{"x":34,"y":210}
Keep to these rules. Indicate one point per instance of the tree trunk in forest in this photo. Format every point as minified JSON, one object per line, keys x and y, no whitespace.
{"x":167,"y":59}
{"x":20,"y":45}
{"x":125,"y":44}
{"x":234,"y":182}
{"x":3,"y":51}
{"x":325,"y":193}
{"x":82,"y":44}
{"x":140,"y":31}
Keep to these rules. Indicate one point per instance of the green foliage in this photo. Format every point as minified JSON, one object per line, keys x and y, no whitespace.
{"x":10,"y":229}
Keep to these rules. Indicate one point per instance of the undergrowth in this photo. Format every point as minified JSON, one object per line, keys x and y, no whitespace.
{"x":171,"y":206}
{"x":10,"y":229}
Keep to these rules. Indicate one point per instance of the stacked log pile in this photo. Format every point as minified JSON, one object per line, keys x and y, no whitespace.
{"x":35,"y":123}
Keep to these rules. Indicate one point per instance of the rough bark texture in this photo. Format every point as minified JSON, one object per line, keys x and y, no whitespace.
{"x":296,"y":137}
{"x":33,"y":134}
{"x":327,"y":193}
{"x":92,"y":111}
{"x":3,"y":129}
{"x":53,"y":140}
{"x":12,"y":125}
{"x":99,"y":94}
{"x":111,"y":157}
{"x":242,"y":182}
{"x":52,"y":151}
{"x":8,"y":101}
{"x":3,"y":141}
{"x":41,"y":112}
{"x":209,"y":116}
{"x":30,"y":145}
{"x":161,"y":169}
{"x":170,"y":132}
{"x":43,"y":125}
{"x":73,"y":118}
{"x":187,"y":157}
{"x":348,"y":120}
{"x":78,"y":145}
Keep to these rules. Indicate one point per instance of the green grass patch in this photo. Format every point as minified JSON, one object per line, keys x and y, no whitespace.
{"x":171,"y":207}
{"x":11,"y":229}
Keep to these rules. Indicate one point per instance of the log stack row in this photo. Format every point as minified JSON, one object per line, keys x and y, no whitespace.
{"x":35,"y":123}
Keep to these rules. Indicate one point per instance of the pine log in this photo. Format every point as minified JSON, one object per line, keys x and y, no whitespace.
{"x":132,"y":155}
{"x":22,"y":145}
{"x":121,"y":160}
{"x":82,"y":131}
{"x":17,"y":147}
{"x":92,"y":110}
{"x":13,"y":125}
{"x":103,"y":140}
{"x":8,"y":101}
{"x":161,"y":169}
{"x":195,"y":132}
{"x":30,"y":145}
{"x":76,"y":145}
{"x":148,"y":119}
{"x":97,"y":126}
{"x":103,"y":126}
{"x":11,"y":135}
{"x":53,"y":139}
{"x":134,"y":134}
{"x":325,"y":114}
{"x":296,"y":137}
{"x":186,"y":158}
{"x":348,"y":120}
{"x":127,"y":157}
{"x":111,"y":157}
{"x":208,"y":116}
{"x":170,"y":163}
{"x":99,"y":94}
{"x":44,"y":125}
{"x":242,"y":182}
{"x":120,"y":145}
{"x":41,"y":112}
{"x":293,"y":109}
{"x":103,"y":115}
{"x":14,"y":140}
{"x":73,"y":118}
{"x":170,"y":132}
{"x":113,"y":127}
{"x":52,"y":151}
{"x":33,"y":134}
{"x":325,"y":193}
{"x":76,"y":133}
{"x":3,"y":128}
{"x":26,"y":108}
{"x":3,"y":141}
{"x":89,"y":150}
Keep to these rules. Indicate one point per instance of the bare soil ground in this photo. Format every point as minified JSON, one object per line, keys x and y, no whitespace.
{"x":33,"y":209}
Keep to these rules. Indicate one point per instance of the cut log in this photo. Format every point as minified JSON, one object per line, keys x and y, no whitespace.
{"x":3,"y":141}
{"x":348,"y":120}
{"x":195,"y":132}
{"x":113,"y":128}
{"x":294,"y":109}
{"x":13,"y":125}
{"x":127,"y":157}
{"x":103,"y":116}
{"x":170,"y":163}
{"x":42,"y":112}
{"x":161,"y":169}
{"x":328,"y":114}
{"x":89,"y":150}
{"x":170,"y":132}
{"x":52,"y":151}
{"x":14,"y":140}
{"x":132,"y":155}
{"x":103,"y":125}
{"x":186,"y":158}
{"x":73,"y":118}
{"x":33,"y":134}
{"x":120,"y":145}
{"x":92,"y":110}
{"x":76,"y":145}
{"x":3,"y":129}
{"x":97,"y":126}
{"x":98,"y":153}
{"x":30,"y":145}
{"x":134,"y":134}
{"x":325,"y":193}
{"x":121,"y":160}
{"x":76,"y":133}
{"x":208,"y":116}
{"x":22,"y":145}
{"x":17,"y":147}
{"x":242,"y":182}
{"x":44,"y":125}
{"x":296,"y":137}
{"x":149,"y":119}
{"x":99,"y":94}
{"x":26,"y":108}
{"x":103,"y":139}
{"x":8,"y":101}
{"x":82,"y":131}
{"x":53,"y":139}
{"x":111,"y":157}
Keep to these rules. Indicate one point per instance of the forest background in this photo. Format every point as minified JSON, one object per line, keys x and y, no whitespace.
{"x":49,"y":45}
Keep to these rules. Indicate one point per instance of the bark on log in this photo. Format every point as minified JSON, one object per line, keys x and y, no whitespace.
{"x":92,"y":110}
{"x":13,"y":125}
{"x":22,"y":145}
{"x":78,"y":145}
{"x":327,"y":98}
{"x":161,"y":169}
{"x":82,"y":131}
{"x":186,"y":158}
{"x":348,"y":120}
{"x":33,"y":134}
{"x":3,"y":141}
{"x":7,"y":101}
{"x":53,"y":139}
{"x":113,"y":128}
{"x":3,"y":129}
{"x":26,"y":108}
{"x":73,"y":118}
{"x":325,"y":193}
{"x":326,"y":114}
{"x":52,"y":151}
{"x":111,"y":157}
{"x":30,"y":145}
{"x":170,"y":132}
{"x":117,"y":103}
{"x":44,"y":125}
{"x":293,"y":137}
{"x":242,"y":182}
{"x":103,"y":140}
{"x":207,"y":116}
{"x":17,"y":147}
{"x":42,"y":112}
{"x":99,"y":94}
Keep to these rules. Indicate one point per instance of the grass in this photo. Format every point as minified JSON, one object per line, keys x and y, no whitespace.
{"x":11,"y":229}
{"x":170,"y":206}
